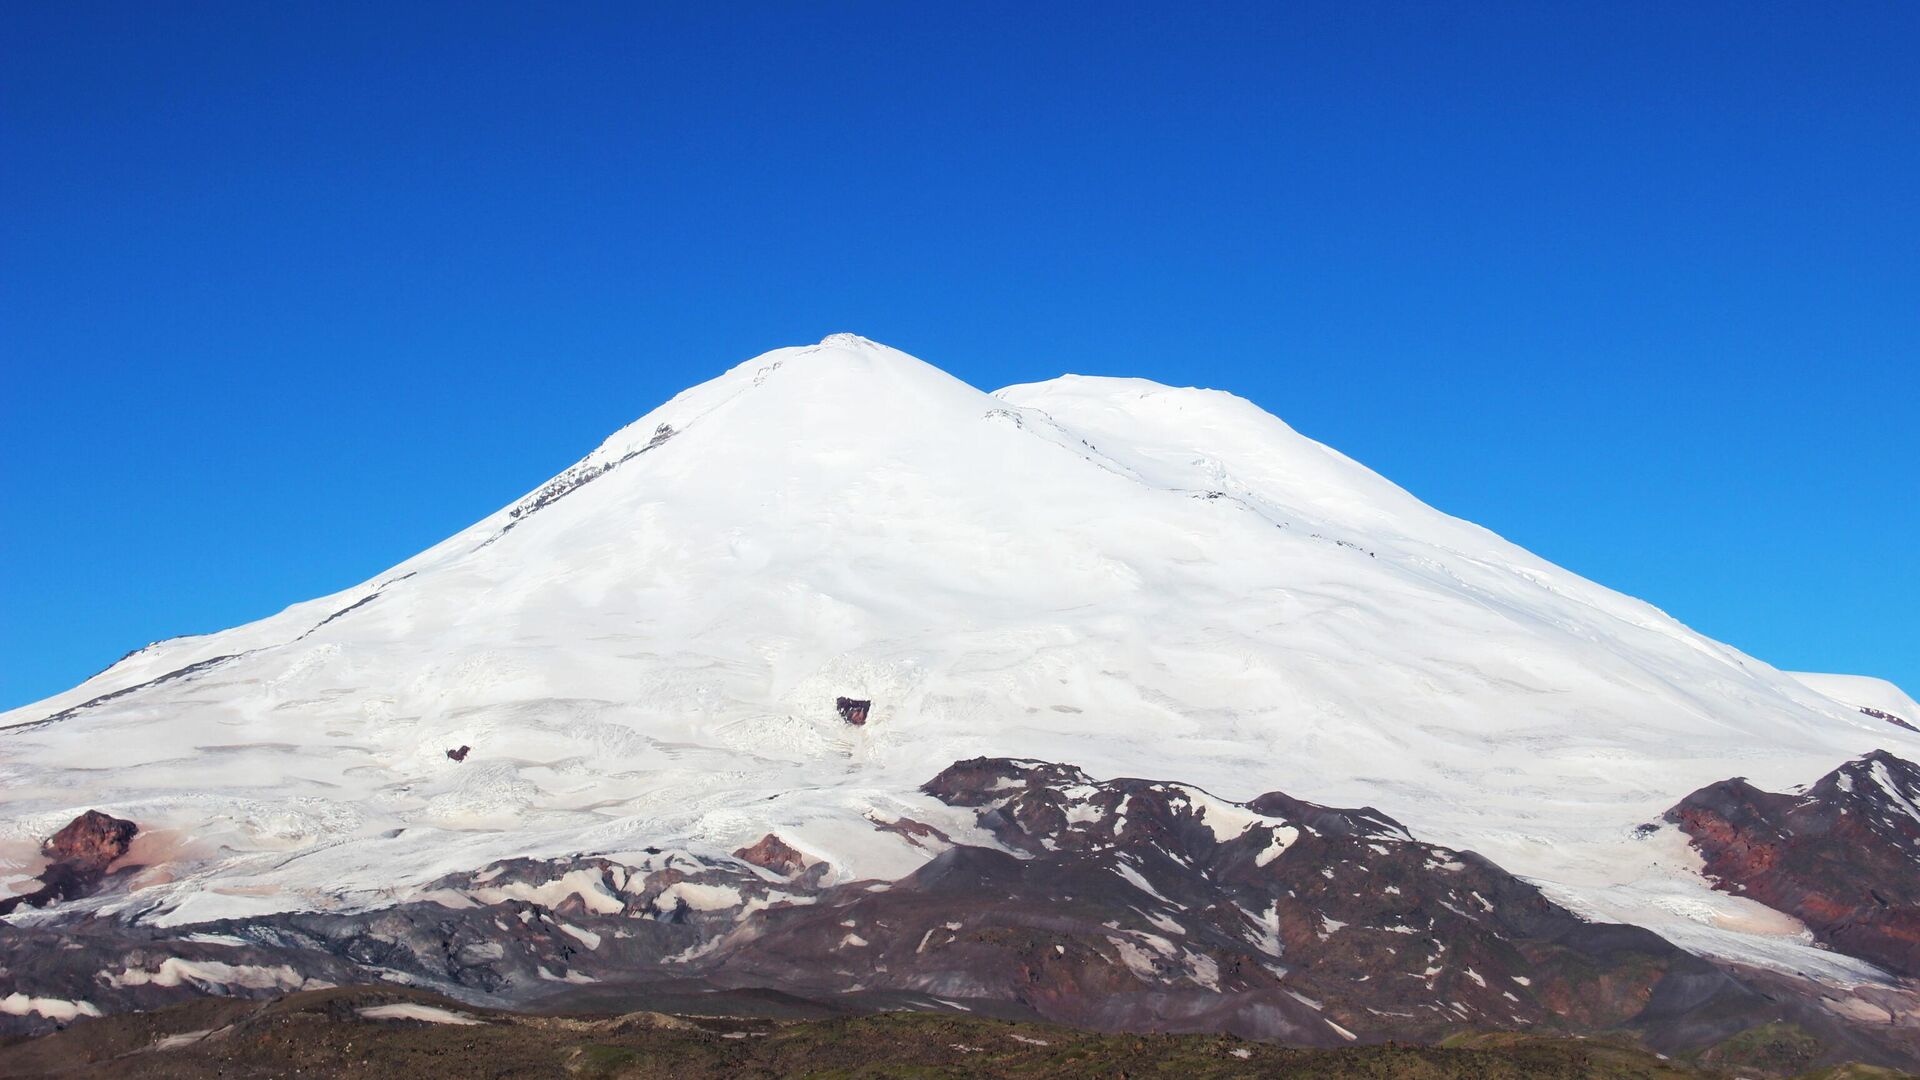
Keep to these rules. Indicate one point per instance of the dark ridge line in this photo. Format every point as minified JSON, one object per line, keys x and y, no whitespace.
{"x":362,"y":602}
{"x":559,"y":488}
{"x":190,"y":668}
{"x":130,"y":654}
{"x":377,"y":593}
{"x":1888,"y":717}
{"x":124,"y":657}
{"x":569,"y":482}
{"x":137,"y":650}
{"x":178,"y":673}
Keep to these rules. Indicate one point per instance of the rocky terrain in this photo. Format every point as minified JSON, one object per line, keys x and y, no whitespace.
{"x":1843,"y":856}
{"x":382,"y":1032}
{"x":77,"y":860}
{"x":1113,"y":905}
{"x":838,"y":683}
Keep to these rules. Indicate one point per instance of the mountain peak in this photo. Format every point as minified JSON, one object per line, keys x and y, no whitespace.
{"x":848,"y":341}
{"x":649,"y":649}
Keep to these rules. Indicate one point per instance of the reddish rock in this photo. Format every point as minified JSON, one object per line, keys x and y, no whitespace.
{"x":918,"y":833}
{"x":80,"y":854}
{"x":1838,"y":857}
{"x":852,"y":710}
{"x":92,"y":839}
{"x":1888,"y":717}
{"x":775,"y":854}
{"x":1141,"y":905}
{"x":460,"y":754}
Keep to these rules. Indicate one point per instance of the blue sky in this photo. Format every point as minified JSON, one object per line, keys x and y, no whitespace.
{"x":290,"y":292}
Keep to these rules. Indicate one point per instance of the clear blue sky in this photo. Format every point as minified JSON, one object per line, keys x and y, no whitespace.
{"x":289,"y":292}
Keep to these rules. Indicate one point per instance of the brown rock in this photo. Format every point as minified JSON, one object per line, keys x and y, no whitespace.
{"x":92,"y":839}
{"x":460,"y":754}
{"x":775,"y":854}
{"x":853,"y":710}
{"x":1836,"y":857}
{"x":1888,"y":717}
{"x":80,"y":854}
{"x":918,"y":833}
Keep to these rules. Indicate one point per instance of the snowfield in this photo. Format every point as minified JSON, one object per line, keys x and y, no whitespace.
{"x":1136,"y":579}
{"x":1864,"y":692}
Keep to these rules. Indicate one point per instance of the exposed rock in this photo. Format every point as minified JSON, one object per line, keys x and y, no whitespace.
{"x":196,"y":668}
{"x":1119,"y":905}
{"x":918,"y":833}
{"x":79,"y":855}
{"x":582,"y":472}
{"x":1896,"y":721}
{"x":1140,"y":904}
{"x":93,"y":839}
{"x":775,"y":854}
{"x":1844,"y":857}
{"x":460,"y":754}
{"x":852,"y":711}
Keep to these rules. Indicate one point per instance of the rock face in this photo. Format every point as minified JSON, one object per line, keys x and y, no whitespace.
{"x":459,"y":754}
{"x":79,"y":855}
{"x":1154,"y":581}
{"x":1881,"y":714}
{"x":1137,"y":905}
{"x":1119,"y":904}
{"x":91,"y":840}
{"x":775,"y":854}
{"x":1843,"y":857}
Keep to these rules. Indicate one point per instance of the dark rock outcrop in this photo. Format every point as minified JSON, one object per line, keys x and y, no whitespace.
{"x":775,"y":854}
{"x":78,"y":855}
{"x":1843,"y":857}
{"x":460,"y":754}
{"x":1130,"y":905}
{"x":852,"y":710}
{"x":91,"y":840}
{"x":1896,"y":721}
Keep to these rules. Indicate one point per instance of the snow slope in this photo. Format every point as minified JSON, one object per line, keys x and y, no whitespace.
{"x":1863,"y":692}
{"x":1136,"y":579}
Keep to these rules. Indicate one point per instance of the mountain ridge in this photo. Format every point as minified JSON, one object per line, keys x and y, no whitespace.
{"x":1143,"y":580}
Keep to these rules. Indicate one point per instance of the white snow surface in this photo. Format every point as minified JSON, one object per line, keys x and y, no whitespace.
{"x":1863,"y":691}
{"x":60,"y":1009}
{"x":428,"y":1014}
{"x":1137,"y":579}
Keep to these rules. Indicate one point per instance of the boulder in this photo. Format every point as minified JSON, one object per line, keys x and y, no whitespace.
{"x":79,"y":855}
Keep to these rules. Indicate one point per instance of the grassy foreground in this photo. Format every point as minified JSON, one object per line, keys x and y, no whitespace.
{"x":324,"y":1034}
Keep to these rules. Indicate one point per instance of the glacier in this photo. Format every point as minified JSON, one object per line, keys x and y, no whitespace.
{"x":1143,"y":580}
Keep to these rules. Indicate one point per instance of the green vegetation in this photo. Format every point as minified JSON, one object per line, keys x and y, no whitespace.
{"x":323,"y":1034}
{"x":1775,"y":1048}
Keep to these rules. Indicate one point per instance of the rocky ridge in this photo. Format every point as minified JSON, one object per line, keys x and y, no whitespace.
{"x":1843,"y":856}
{"x":1119,"y":904}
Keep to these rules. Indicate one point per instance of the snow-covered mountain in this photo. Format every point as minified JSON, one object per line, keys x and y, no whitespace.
{"x":1877,"y":698}
{"x":1140,"y":580}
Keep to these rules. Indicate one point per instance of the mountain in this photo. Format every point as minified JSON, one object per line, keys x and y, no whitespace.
{"x":1877,"y":698}
{"x":1842,"y":856}
{"x":764,"y":617}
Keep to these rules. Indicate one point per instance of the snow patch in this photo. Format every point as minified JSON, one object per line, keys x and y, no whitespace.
{"x":587,"y":884}
{"x":212,"y":975}
{"x":426,"y":1014}
{"x":56,"y":1009}
{"x":697,"y":897}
